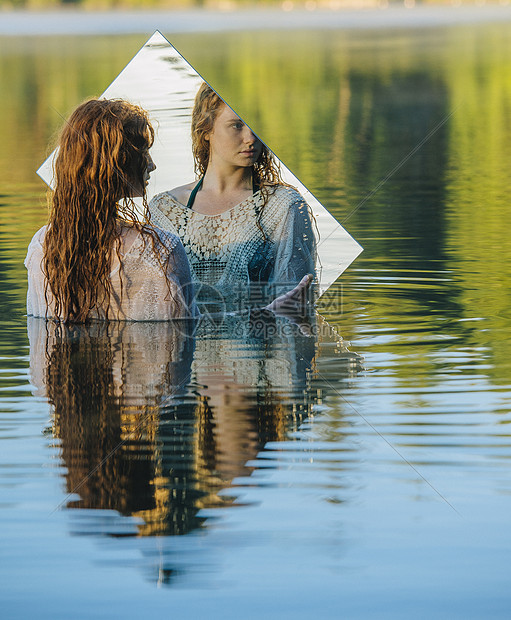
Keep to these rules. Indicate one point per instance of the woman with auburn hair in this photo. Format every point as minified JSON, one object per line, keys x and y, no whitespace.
{"x":243,"y":229}
{"x":97,"y":258}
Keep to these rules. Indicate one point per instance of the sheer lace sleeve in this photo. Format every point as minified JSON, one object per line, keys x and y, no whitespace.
{"x":147,"y":295}
{"x":179,"y":267}
{"x":36,"y":303}
{"x":295,"y":246}
{"x":158,"y":206}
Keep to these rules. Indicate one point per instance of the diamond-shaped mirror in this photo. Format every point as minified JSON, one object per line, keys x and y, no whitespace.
{"x":160,"y":80}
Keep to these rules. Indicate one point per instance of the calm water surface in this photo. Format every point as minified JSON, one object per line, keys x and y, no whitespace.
{"x":236,"y":474}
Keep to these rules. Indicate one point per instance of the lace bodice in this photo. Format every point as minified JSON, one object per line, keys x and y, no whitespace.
{"x":144,"y":294}
{"x":232,"y":251}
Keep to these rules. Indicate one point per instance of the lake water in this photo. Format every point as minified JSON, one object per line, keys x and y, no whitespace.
{"x":239,"y":474}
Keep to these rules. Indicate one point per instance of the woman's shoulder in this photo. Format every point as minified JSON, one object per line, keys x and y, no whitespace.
{"x":285,"y":201}
{"x":38,"y":238}
{"x":179,"y":195}
{"x":286,"y":194}
{"x":165,"y":238}
{"x":139,"y":243}
{"x":36,"y":244}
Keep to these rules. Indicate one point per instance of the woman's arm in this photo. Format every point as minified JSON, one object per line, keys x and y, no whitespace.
{"x":179,"y":267}
{"x":295,"y":247}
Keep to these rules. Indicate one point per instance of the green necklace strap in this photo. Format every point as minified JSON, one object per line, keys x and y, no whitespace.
{"x":193,"y":193}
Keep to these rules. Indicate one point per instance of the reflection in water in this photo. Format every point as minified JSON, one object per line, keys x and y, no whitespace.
{"x":254,"y":380}
{"x":106,"y":383}
{"x":154,"y":422}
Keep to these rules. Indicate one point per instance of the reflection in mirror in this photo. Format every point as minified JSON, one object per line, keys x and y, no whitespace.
{"x":163,"y":82}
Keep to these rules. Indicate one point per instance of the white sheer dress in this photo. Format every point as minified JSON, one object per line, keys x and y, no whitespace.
{"x":139,"y":289}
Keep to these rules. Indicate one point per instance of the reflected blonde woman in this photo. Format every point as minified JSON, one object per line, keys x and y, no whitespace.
{"x":241,"y":226}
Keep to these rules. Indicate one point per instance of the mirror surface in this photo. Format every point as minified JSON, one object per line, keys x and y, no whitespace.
{"x":160,"y":80}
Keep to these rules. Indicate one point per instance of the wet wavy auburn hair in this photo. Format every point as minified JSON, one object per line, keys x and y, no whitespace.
{"x":265,"y":171}
{"x":102,"y":156}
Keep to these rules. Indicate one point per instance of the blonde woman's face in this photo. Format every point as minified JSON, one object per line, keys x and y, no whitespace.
{"x":231,"y":141}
